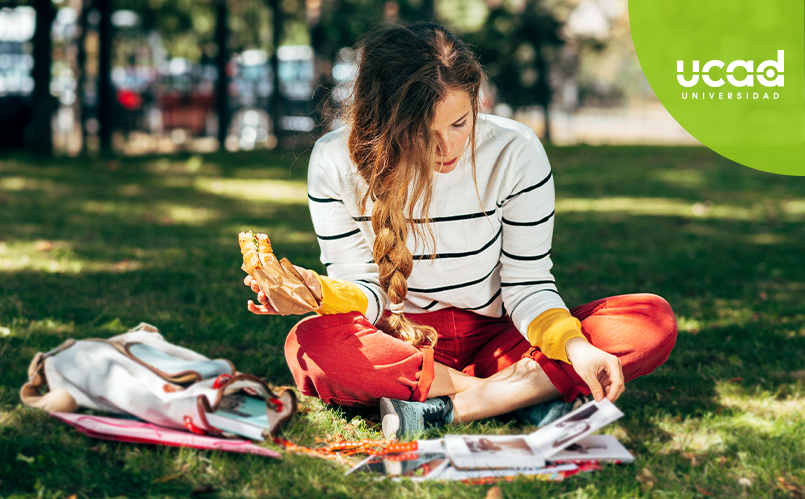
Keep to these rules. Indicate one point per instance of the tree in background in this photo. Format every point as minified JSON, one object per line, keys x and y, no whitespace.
{"x":518,"y":47}
{"x":39,"y":134}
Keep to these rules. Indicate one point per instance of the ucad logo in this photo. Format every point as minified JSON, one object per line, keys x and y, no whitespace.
{"x":765,"y":75}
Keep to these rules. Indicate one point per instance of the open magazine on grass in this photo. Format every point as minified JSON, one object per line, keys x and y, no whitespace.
{"x":555,"y":450}
{"x":534,"y":449}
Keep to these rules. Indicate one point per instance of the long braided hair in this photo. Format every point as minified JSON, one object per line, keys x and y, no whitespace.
{"x":404,"y":72}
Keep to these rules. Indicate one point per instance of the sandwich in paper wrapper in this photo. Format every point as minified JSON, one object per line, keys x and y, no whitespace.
{"x":287,"y":290}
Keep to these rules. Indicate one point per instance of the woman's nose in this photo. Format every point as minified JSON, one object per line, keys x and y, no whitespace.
{"x":442,"y":146}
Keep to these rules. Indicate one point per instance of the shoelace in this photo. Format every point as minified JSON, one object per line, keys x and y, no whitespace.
{"x":433,"y":413}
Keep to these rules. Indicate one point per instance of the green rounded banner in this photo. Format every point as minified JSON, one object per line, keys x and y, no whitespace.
{"x":732,"y":73}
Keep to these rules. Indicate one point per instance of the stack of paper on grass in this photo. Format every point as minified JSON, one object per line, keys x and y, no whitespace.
{"x":127,"y":430}
{"x":553,"y":452}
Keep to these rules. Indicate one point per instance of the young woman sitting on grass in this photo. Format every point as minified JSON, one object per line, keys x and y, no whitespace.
{"x":435,"y":226}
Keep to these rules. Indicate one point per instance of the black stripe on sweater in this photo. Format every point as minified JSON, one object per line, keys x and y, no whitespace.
{"x":323,"y":200}
{"x":454,"y":286}
{"x":529,"y":224}
{"x":449,"y":218}
{"x":460,"y":255}
{"x":430,"y":305}
{"x":360,"y":282}
{"x":327,"y":264}
{"x":527,"y":258}
{"x":527,"y":189}
{"x":338,"y":236}
{"x":494,"y":297}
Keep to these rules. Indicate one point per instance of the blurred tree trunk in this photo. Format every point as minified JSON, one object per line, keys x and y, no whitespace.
{"x":40,"y":131}
{"x":428,"y":12}
{"x":222,"y":85}
{"x":275,"y":103}
{"x":106,"y":97}
{"x":83,"y":23}
{"x":544,"y":91}
{"x":323,"y":54}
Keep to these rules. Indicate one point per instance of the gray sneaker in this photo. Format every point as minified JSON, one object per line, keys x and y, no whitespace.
{"x":402,"y":418}
{"x":547,"y":412}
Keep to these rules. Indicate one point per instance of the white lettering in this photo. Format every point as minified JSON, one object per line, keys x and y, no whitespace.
{"x":706,"y":76}
{"x":776,"y":96}
{"x":768,"y":69}
{"x":680,"y":68}
{"x":768,"y":73}
{"x":746,"y":82}
{"x":729,"y":95}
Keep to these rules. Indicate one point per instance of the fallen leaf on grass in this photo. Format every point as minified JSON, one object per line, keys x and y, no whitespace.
{"x":122,"y":265}
{"x":792,"y":485}
{"x":494,"y":493}
{"x":704,"y":491}
{"x":167,"y":478}
{"x":43,"y":246}
{"x":73,"y":496}
{"x":691,"y":457}
{"x":744,"y":482}
{"x":646,"y":479}
{"x":737,"y":380}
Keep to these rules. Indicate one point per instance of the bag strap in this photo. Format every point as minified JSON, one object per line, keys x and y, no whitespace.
{"x":54,"y":401}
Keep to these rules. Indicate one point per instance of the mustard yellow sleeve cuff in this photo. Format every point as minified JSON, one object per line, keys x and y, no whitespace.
{"x":339,"y":297}
{"x":551,"y":330}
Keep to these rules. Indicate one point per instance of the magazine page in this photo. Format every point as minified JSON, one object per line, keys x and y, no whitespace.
{"x":452,"y":473}
{"x":599,"y":448}
{"x":492,"y":451}
{"x":414,"y":465}
{"x":570,"y":428}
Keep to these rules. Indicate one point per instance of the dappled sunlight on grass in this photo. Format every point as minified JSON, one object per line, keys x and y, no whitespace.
{"x":156,"y":211}
{"x":687,"y":434}
{"x":194,"y":165}
{"x":59,"y":258}
{"x":787,"y":402}
{"x":682,"y":178}
{"x":45,"y":186}
{"x":666,"y":207}
{"x":276,"y":191}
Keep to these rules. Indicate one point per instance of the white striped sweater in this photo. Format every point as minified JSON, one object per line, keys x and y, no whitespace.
{"x":492,"y":255}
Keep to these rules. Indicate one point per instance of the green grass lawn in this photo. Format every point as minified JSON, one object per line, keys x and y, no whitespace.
{"x":90,"y":248}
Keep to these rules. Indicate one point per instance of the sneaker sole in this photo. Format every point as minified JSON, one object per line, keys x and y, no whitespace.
{"x":390,"y":420}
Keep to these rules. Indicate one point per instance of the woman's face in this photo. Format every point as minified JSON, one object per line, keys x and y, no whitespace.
{"x":452,"y":123}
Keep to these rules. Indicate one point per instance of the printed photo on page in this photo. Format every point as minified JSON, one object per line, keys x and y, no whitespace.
{"x":599,"y":448}
{"x":492,"y":451}
{"x":565,"y":431}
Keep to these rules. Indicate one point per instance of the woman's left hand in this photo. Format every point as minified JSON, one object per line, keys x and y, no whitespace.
{"x":601,"y":371}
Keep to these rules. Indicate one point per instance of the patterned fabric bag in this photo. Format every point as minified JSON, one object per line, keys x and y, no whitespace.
{"x":141,"y":374}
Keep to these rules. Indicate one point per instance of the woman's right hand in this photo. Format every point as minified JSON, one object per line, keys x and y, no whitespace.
{"x":264,"y":308}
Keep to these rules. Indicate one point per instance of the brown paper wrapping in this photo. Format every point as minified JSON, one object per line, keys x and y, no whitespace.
{"x":287,"y":290}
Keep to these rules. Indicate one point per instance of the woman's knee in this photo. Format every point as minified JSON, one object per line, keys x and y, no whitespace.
{"x":344,"y":359}
{"x":662,"y":327}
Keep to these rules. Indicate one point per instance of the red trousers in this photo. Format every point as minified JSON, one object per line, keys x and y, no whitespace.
{"x":344,"y":359}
